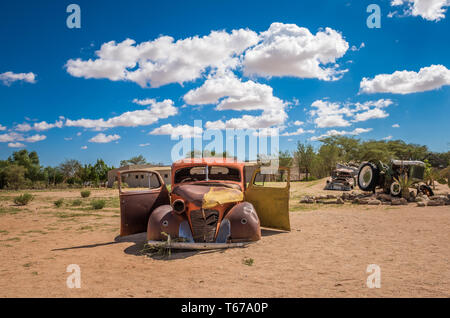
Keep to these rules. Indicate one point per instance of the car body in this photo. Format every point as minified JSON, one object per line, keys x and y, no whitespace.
{"x":342,"y":179}
{"x":376,"y":174}
{"x":210,"y":202}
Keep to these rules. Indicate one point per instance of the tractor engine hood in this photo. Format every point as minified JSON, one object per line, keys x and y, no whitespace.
{"x":206,"y":196}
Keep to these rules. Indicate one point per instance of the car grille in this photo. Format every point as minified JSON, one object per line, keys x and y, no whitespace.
{"x":204,"y":224}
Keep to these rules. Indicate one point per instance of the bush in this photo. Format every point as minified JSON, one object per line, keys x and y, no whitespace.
{"x":58,"y":203}
{"x":98,"y":204}
{"x":77,"y":202}
{"x":23,"y":199}
{"x":85,"y":193}
{"x":116,"y":185}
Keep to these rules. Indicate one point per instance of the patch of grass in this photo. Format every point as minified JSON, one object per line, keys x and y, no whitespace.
{"x":65,"y":215}
{"x":34,"y":231}
{"x":86,"y":227}
{"x":113,"y":202}
{"x":5,"y":198}
{"x":23,"y":199}
{"x":9,"y":210}
{"x":3,"y":232}
{"x":303,"y":207}
{"x":59,"y":203}
{"x":12,"y":239}
{"x":248,"y":261}
{"x":34,"y":273}
{"x":77,"y":202}
{"x":85,"y":193}
{"x":98,"y":204}
{"x":27,"y":265}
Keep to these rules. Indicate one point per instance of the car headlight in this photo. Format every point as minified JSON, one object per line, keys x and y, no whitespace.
{"x":179,"y":206}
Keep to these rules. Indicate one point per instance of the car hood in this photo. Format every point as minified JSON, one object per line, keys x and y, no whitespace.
{"x":208,"y":196}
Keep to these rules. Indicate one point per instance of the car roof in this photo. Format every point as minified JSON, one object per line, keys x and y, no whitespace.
{"x":217,"y":161}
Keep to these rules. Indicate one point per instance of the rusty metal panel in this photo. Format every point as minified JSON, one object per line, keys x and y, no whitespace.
{"x":136,"y":206}
{"x":271,"y":203}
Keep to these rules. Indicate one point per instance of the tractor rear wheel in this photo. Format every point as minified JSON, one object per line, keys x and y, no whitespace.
{"x":368,"y":176}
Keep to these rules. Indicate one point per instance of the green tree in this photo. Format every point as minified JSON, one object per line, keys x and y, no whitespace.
{"x":69,"y":169}
{"x":304,"y":157}
{"x":101,"y":170}
{"x":15,"y":176}
{"x":30,"y":161}
{"x":137,"y":160}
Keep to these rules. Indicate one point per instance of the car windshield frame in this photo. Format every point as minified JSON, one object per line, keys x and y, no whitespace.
{"x":235,"y":177}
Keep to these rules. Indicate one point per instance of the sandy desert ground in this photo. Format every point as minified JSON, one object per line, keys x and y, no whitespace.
{"x":325,"y":255}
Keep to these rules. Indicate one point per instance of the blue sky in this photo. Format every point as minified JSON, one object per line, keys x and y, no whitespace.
{"x":327,"y":98}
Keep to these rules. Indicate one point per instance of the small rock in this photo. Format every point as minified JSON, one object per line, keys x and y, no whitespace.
{"x":339,"y":201}
{"x":421,"y":204}
{"x":374,"y":202}
{"x":435,"y":203}
{"x":384,"y":197}
{"x":331,"y":196}
{"x":438,"y":197}
{"x":401,"y":201}
{"x":386,"y":203}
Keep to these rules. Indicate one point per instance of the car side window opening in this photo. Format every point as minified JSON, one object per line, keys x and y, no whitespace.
{"x":272,"y":180}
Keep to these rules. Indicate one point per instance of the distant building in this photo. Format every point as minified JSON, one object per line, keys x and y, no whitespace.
{"x":137,"y":180}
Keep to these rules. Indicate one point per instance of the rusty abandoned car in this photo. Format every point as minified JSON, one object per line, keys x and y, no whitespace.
{"x":210,"y":202}
{"x":342,"y":178}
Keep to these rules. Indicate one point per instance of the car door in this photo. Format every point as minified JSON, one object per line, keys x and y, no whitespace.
{"x":137,"y":203}
{"x":269,"y":194}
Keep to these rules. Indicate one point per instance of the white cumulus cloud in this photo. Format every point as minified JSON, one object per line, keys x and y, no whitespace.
{"x":175,"y":132}
{"x":41,"y":126}
{"x":334,"y":132}
{"x":103,"y":139}
{"x":290,"y":50}
{"x":230,"y":93}
{"x":35,"y":138}
{"x":13,"y":137}
{"x":16,"y":145}
{"x":156,"y":111}
{"x":299,"y":131}
{"x":406,"y":82}
{"x":431,"y":10}
{"x":334,"y":114}
{"x":8,"y":78}
{"x":164,"y":60}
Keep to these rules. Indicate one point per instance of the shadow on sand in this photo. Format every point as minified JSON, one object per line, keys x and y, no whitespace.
{"x":137,"y":249}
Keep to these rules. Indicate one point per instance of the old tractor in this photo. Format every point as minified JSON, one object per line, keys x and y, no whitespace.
{"x":376,"y":174}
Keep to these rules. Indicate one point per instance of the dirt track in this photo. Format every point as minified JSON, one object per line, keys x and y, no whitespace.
{"x":325,"y":255}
